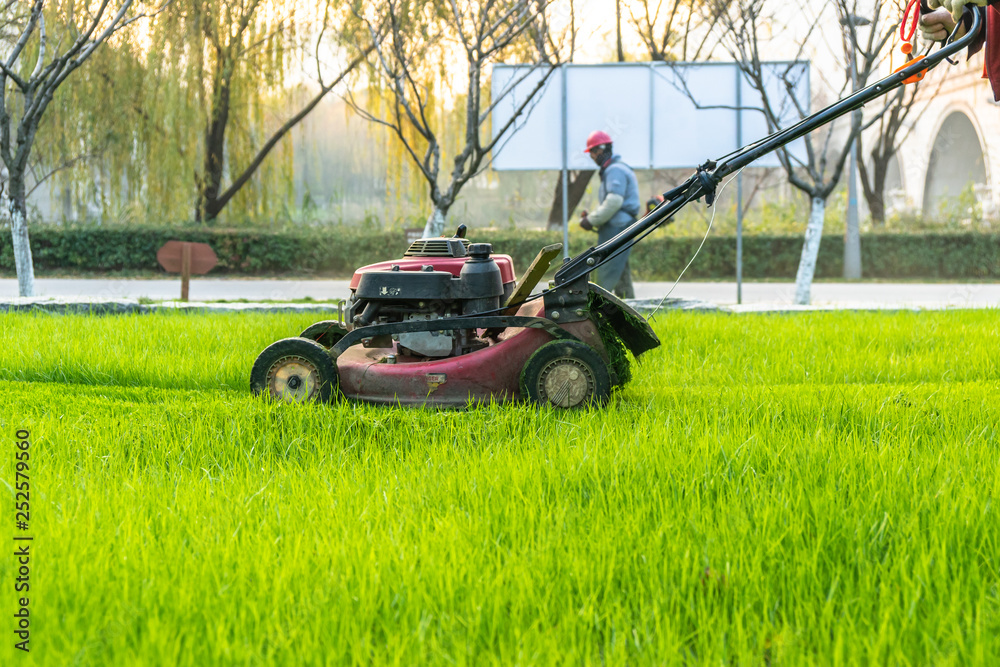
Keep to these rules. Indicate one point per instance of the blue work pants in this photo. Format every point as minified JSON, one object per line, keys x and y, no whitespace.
{"x":610,"y":273}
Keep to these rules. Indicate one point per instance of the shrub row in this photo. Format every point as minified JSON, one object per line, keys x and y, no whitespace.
{"x":943,"y":256}
{"x":338,"y":250}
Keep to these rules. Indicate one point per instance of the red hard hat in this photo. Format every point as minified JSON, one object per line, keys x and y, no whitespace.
{"x":596,"y":139}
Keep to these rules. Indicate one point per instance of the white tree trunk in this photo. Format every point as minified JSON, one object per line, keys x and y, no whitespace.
{"x":22,"y":253}
{"x":435,"y":224}
{"x":19,"y":233}
{"x":810,"y":251}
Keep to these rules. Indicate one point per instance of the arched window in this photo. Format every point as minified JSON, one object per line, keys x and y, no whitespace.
{"x":956,"y":160}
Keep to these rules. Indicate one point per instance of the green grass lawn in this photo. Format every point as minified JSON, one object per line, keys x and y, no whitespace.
{"x":770,"y":489}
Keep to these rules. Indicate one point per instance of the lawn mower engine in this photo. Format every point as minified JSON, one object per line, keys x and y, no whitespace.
{"x":437,"y":278}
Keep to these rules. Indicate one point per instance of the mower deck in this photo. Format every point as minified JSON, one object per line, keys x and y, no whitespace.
{"x":492,"y":374}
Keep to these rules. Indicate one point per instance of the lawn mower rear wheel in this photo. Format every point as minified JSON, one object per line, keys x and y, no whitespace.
{"x":566,"y":374}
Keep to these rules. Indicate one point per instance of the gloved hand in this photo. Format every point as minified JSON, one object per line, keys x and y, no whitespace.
{"x":955,"y":6}
{"x":585,"y":224}
{"x":936,"y":26}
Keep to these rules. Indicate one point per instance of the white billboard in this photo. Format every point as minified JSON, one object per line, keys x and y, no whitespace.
{"x":660,"y":115}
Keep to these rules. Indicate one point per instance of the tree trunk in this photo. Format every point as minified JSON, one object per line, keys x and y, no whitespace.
{"x":16,"y":204}
{"x":876,"y":205}
{"x":810,"y":251}
{"x":873,"y":184}
{"x":577,"y":187}
{"x":435,"y":223}
{"x":210,"y":181}
{"x":67,"y":203}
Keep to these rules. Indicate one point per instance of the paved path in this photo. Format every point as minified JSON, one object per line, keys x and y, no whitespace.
{"x":846,"y":295}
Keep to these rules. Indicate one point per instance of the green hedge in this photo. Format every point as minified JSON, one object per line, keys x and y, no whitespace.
{"x":944,"y":256}
{"x":338,"y":250}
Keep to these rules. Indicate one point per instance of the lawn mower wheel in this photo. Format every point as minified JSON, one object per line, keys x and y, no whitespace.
{"x":566,"y":374}
{"x":295,"y":370}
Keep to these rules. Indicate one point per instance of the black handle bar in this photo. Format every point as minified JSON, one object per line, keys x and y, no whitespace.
{"x":704,"y":181}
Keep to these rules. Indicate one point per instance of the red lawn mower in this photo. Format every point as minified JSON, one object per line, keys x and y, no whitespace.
{"x":448,"y":324}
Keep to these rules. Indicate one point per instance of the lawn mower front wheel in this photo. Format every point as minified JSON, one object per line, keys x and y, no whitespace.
{"x":295,"y":370}
{"x":566,"y":374}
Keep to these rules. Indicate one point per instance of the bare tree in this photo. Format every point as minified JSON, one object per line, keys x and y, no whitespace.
{"x":826,"y":151}
{"x":675,"y":29}
{"x":415,"y":58}
{"x":892,"y":129}
{"x":27,"y":89}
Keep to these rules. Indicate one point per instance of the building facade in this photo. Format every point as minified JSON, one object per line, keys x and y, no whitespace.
{"x":954,"y":142}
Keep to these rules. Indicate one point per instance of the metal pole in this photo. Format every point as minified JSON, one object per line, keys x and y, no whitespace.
{"x":652,"y":115}
{"x":185,"y":270}
{"x":565,"y":167}
{"x":852,"y":233}
{"x":739,"y":189}
{"x":852,"y":236}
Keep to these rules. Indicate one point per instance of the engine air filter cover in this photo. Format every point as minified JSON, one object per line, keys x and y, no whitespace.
{"x":438,"y":247}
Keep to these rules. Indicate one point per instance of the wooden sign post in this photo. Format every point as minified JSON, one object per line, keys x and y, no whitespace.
{"x":186,"y":258}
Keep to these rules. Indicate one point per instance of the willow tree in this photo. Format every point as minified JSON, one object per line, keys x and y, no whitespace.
{"x":44,"y":44}
{"x":220,"y":68}
{"x":438,"y":53}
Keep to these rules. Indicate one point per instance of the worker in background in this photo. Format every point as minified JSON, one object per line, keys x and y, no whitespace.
{"x":619,"y":206}
{"x":938,"y":19}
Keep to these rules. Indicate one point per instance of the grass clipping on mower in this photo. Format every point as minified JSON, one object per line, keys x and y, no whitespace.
{"x":619,"y":357}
